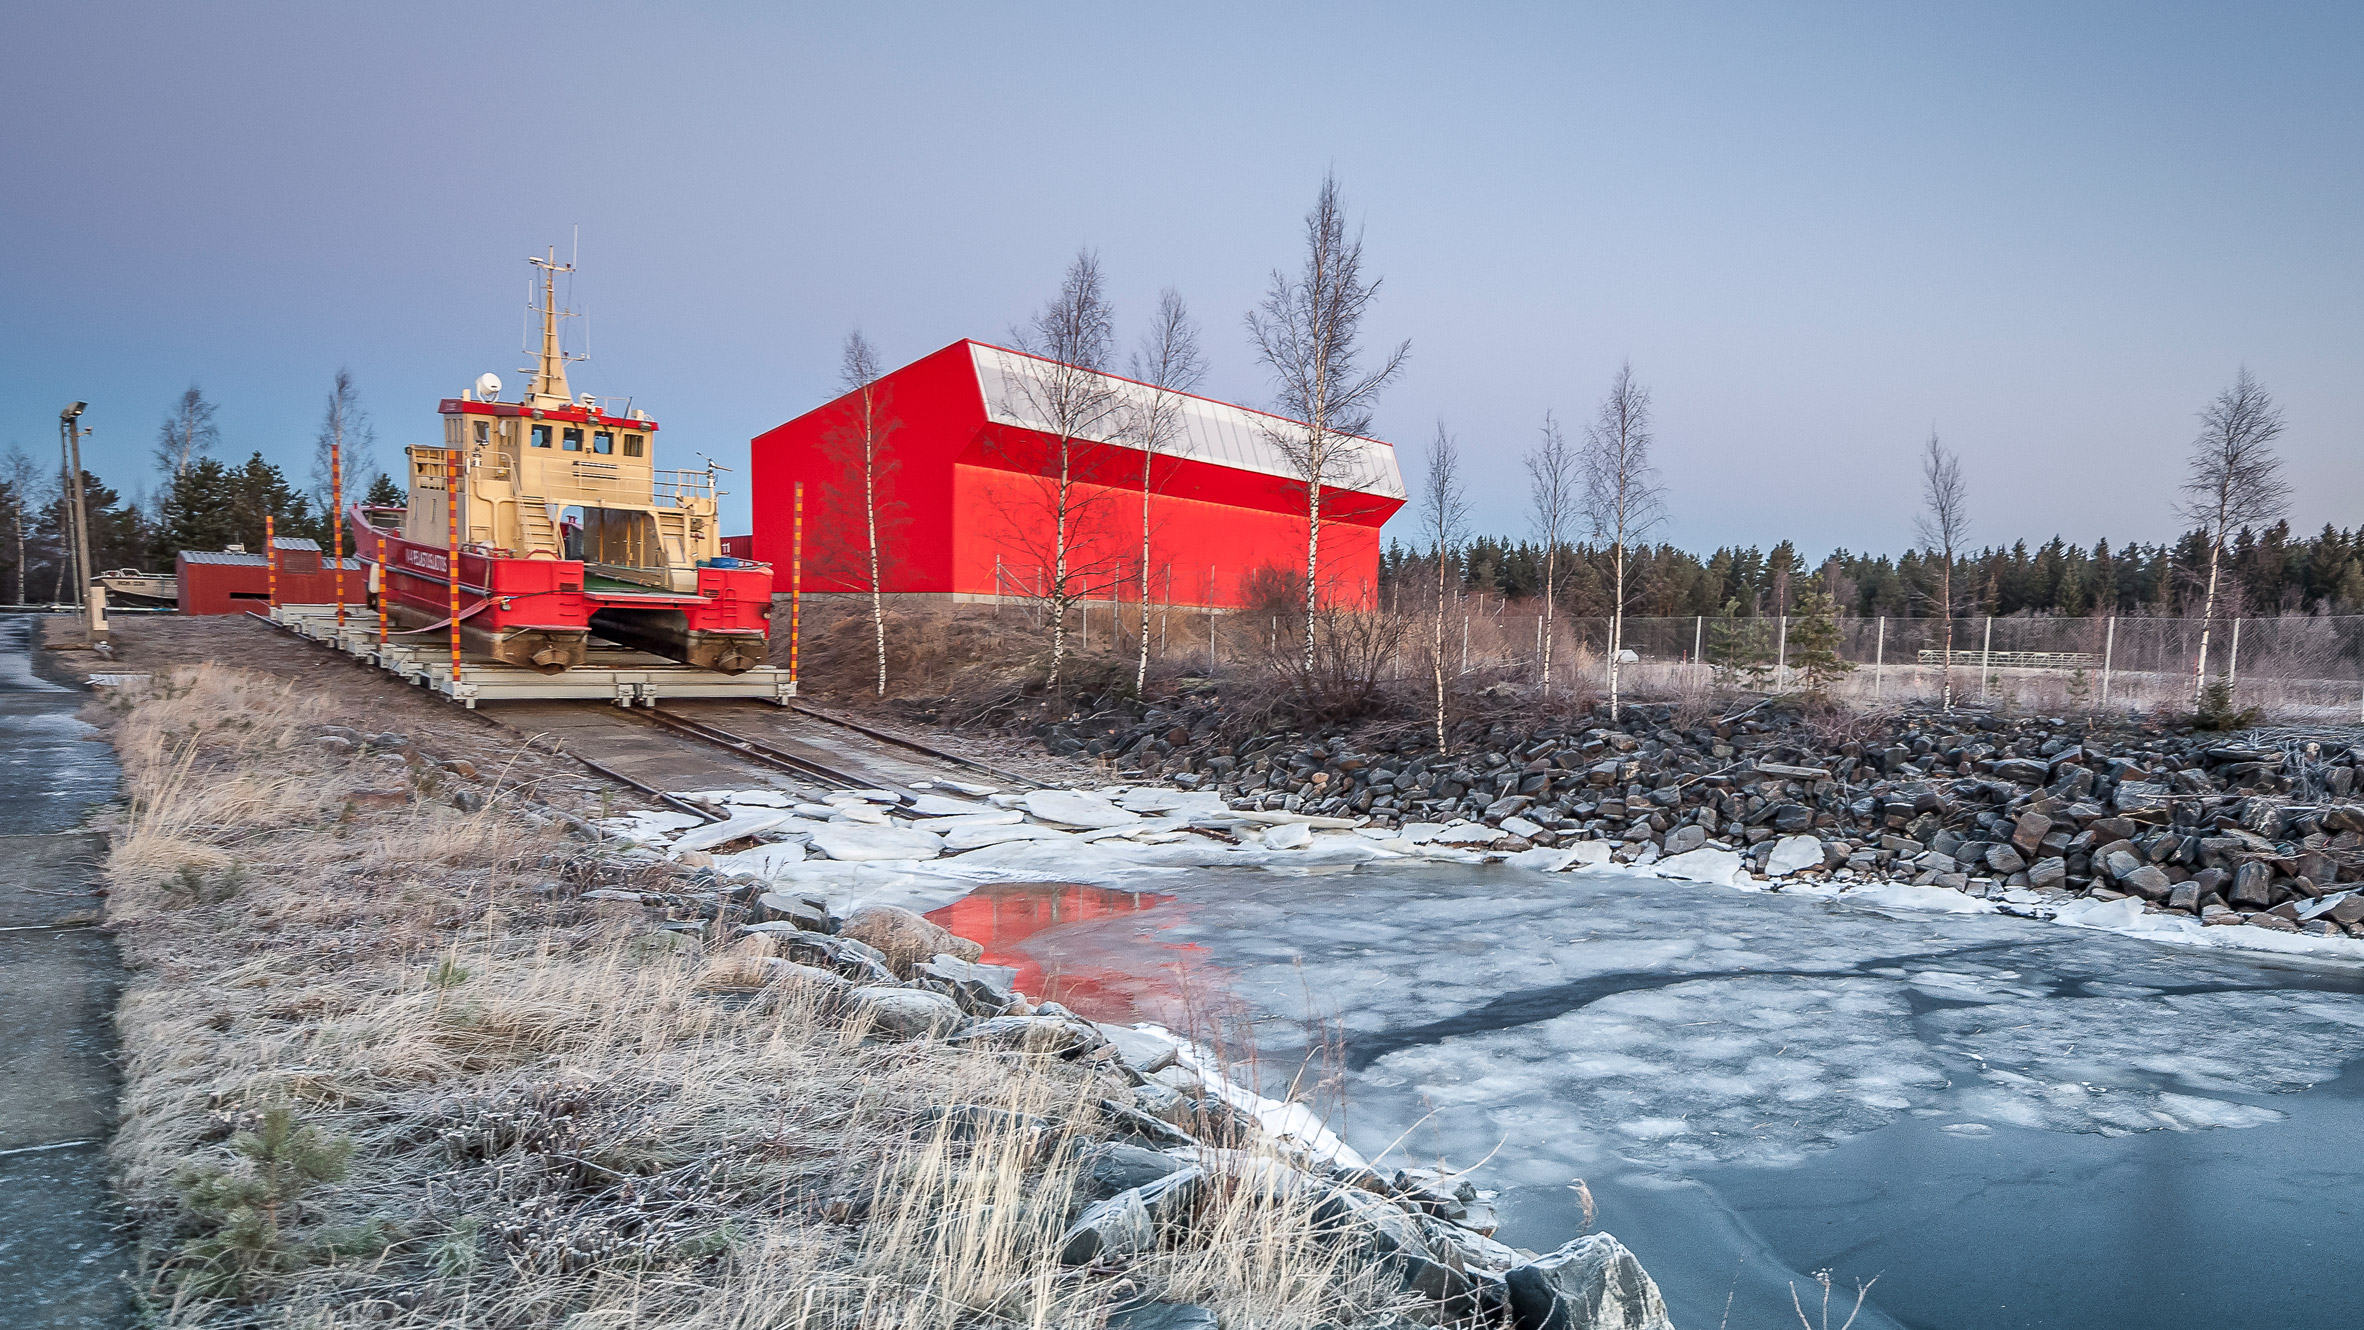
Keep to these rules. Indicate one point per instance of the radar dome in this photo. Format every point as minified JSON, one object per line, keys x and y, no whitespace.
{"x":488,"y":387}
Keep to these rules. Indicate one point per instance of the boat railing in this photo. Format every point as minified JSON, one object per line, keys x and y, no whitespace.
{"x":682,"y":486}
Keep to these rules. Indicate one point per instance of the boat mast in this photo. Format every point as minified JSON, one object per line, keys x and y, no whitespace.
{"x":548,"y":387}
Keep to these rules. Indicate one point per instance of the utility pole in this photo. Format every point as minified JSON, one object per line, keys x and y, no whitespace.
{"x":70,"y":435}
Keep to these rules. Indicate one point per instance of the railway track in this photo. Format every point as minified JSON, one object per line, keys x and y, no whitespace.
{"x":754,"y":749}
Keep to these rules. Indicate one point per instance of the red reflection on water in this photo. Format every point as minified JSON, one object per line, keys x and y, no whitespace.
{"x":1003,"y":917}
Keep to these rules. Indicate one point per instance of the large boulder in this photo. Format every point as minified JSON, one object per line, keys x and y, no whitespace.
{"x":904,"y":939}
{"x":1593,"y":1283}
{"x":1125,"y":1225}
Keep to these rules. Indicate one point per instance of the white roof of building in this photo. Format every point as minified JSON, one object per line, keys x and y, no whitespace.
{"x":1015,"y":385}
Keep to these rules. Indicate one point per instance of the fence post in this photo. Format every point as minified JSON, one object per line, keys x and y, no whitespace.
{"x":1698,"y":641}
{"x":2109,"y":651}
{"x":1986,"y":655}
{"x":1879,"y":657}
{"x":2232,"y":659}
{"x":1781,"y":656}
{"x":1465,"y":642}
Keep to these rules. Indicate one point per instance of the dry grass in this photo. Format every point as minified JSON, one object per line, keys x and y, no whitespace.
{"x":384,"y":1067}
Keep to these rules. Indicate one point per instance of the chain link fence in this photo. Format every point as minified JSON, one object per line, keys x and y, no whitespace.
{"x":2292,"y":667}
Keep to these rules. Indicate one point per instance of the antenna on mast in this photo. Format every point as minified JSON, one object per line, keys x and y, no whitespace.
{"x":548,"y":385}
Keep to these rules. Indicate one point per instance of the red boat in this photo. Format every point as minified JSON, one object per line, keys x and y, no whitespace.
{"x":564,"y":531}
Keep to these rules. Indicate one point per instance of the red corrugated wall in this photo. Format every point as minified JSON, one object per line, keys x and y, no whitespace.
{"x":962,"y":497}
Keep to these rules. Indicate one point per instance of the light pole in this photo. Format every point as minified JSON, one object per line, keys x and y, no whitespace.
{"x":70,"y":445}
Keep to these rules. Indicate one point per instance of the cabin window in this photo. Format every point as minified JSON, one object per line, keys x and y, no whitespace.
{"x":603,"y":441}
{"x":541,"y":436}
{"x":483,"y":432}
{"x":573,"y":442}
{"x":632,"y":445}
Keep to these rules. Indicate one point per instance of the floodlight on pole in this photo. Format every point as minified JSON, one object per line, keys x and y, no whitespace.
{"x":70,"y":447}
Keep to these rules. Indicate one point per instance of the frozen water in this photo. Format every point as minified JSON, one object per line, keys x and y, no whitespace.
{"x":855,"y":841}
{"x":737,"y":827}
{"x":764,"y":861}
{"x":976,"y":836}
{"x":1294,"y":836}
{"x":1758,"y":1081}
{"x":1793,"y":854}
{"x":936,"y":805}
{"x":1702,"y":865}
{"x":1073,"y":808}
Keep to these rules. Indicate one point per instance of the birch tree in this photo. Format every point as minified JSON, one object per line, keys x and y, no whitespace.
{"x":21,"y":478}
{"x":1942,"y":528}
{"x":1444,"y":520}
{"x":1307,"y":334}
{"x":1168,"y":360}
{"x":1075,"y":405}
{"x":2232,"y":480}
{"x":186,"y":435}
{"x":345,"y":426}
{"x":1622,"y":496}
{"x":865,"y":448}
{"x":1552,"y":490}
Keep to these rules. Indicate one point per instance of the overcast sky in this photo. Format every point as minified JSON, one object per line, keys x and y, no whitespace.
{"x":2049,"y":231}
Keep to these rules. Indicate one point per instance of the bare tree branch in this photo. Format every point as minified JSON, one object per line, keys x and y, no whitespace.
{"x":1942,"y":529}
{"x":2232,"y":480}
{"x":1444,"y":519}
{"x":1622,"y":495}
{"x":1307,"y":333}
{"x":1552,"y":489}
{"x":1168,"y":359}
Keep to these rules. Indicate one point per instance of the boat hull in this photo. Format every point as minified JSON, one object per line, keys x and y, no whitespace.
{"x":542,"y":613}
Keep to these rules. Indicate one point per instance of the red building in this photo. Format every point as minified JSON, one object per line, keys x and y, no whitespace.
{"x":969,"y":506}
{"x":233,"y":581}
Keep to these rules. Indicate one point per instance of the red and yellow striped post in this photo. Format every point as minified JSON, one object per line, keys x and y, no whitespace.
{"x":451,"y":504}
{"x":385,"y":585}
{"x":795,"y":582}
{"x":336,"y":526}
{"x":271,"y":557}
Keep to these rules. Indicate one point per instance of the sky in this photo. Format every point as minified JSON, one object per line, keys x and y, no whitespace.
{"x":1818,"y":232}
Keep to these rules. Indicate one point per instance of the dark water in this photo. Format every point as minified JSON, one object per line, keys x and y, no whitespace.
{"x":1996,"y":1123}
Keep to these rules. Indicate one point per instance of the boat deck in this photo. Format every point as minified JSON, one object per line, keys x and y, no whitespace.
{"x":609,"y":674}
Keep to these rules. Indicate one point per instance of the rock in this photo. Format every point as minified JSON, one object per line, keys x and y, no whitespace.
{"x":2253,"y":886}
{"x":904,"y":939}
{"x":2149,"y":882}
{"x":1793,"y":854}
{"x":981,"y":990}
{"x":1784,"y":772}
{"x":1142,"y":1127}
{"x":1593,"y":1283}
{"x":1145,"y":1053}
{"x":1110,"y":1167}
{"x":2028,"y":833}
{"x":2350,"y":910}
{"x":2047,"y":873}
{"x":857,"y":842}
{"x":1521,"y":827}
{"x":1073,"y":808}
{"x":1125,"y":1225}
{"x":2005,"y":860}
{"x":1508,"y":806}
{"x":1468,"y":833}
{"x":848,"y":956}
{"x":1684,"y":839}
{"x":1288,"y":836}
{"x":809,"y":913}
{"x":1792,"y":817}
{"x":1162,"y":1316}
{"x":2023,"y":771}
{"x":909,"y":1013}
{"x":1702,"y":865}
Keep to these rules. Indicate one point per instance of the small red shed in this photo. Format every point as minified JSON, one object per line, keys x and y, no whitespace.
{"x":233,"y":581}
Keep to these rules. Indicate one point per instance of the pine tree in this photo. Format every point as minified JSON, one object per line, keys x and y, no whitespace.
{"x":1814,"y":640}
